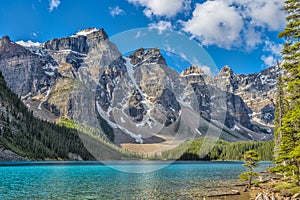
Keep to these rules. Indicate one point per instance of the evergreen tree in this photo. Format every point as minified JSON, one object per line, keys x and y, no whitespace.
{"x":287,"y":129}
{"x":251,"y":159}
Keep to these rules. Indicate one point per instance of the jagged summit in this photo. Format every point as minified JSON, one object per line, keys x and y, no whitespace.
{"x":4,"y":40}
{"x":192,"y":70}
{"x":91,"y":33}
{"x":226,"y":70}
{"x":147,"y":56}
{"x":80,"y":42}
{"x":87,"y":31}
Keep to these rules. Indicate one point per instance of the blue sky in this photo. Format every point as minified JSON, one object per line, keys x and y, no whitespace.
{"x":238,"y":33}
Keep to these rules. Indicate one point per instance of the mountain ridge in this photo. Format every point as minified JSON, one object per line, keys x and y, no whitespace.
{"x":85,"y":78}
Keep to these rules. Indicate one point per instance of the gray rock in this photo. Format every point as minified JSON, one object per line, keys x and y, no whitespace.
{"x":7,"y":155}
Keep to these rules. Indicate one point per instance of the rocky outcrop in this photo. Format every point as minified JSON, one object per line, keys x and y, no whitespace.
{"x":24,"y":71}
{"x":77,"y":44}
{"x":143,"y":57}
{"x":7,"y":155}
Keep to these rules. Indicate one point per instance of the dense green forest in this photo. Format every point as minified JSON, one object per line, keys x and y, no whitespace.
{"x":36,"y":139}
{"x":222,"y":150}
{"x":287,"y":122}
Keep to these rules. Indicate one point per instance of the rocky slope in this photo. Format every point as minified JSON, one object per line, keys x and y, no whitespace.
{"x":85,"y":78}
{"x":25,"y":137}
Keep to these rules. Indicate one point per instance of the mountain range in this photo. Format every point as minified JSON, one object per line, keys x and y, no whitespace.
{"x":137,"y":102}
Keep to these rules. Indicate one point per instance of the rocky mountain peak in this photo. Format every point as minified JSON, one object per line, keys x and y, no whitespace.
{"x":226,"y":70}
{"x":147,"y":56}
{"x":80,"y":42}
{"x":4,"y":40}
{"x":9,"y":48}
{"x":92,"y":32}
{"x":192,"y":70}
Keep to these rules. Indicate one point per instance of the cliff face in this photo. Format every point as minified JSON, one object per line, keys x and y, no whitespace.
{"x":258,"y":91}
{"x":85,"y":78}
{"x":24,"y":71}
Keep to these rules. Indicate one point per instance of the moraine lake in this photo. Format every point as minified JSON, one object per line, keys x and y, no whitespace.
{"x":93,"y":180}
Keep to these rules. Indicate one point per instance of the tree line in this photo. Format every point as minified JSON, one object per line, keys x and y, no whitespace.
{"x":221,"y":150}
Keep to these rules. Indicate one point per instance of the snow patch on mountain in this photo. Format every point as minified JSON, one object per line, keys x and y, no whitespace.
{"x":29,"y":43}
{"x":86,"y":31}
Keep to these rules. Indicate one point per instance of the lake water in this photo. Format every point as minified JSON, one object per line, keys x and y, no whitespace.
{"x":52,"y":180}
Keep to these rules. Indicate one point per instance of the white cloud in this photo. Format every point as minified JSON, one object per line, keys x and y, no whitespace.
{"x":273,"y":53}
{"x":116,"y":11}
{"x":207,"y":70}
{"x":266,"y":13}
{"x":269,"y":60}
{"x":252,"y":38}
{"x":272,"y":47}
{"x":53,"y":4}
{"x":235,"y":23}
{"x":214,"y":22}
{"x":161,"y":26}
{"x":165,"y":8}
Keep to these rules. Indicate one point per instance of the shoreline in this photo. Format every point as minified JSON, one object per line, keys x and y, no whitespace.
{"x":111,"y":162}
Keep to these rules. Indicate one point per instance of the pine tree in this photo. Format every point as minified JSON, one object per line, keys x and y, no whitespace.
{"x":287,"y":131}
{"x":251,"y":158}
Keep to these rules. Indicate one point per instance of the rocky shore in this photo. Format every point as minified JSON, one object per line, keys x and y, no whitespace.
{"x":266,"y":188}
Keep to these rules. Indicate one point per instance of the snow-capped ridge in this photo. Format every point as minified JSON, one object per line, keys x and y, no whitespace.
{"x":29,"y":43}
{"x":86,"y":32}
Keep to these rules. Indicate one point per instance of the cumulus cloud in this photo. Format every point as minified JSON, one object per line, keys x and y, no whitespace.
{"x":116,"y":11}
{"x":214,"y":22}
{"x":53,"y":4}
{"x":161,"y":26}
{"x":162,"y":8}
{"x":235,"y":23}
{"x":265,"y":13}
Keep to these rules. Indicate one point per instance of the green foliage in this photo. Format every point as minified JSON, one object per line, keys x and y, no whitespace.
{"x":247,"y":176}
{"x":222,"y":150}
{"x":256,"y":183}
{"x":284,"y":185}
{"x":108,"y":131}
{"x":287,"y":127}
{"x":93,"y":133}
{"x":251,"y":159}
{"x":295,"y":190}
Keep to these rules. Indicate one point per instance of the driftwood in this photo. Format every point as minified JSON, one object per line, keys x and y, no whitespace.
{"x":225,"y":193}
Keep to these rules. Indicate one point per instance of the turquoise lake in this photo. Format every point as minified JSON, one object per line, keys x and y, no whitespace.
{"x":51,"y":180}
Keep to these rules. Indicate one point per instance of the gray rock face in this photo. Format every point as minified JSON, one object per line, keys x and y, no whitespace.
{"x":7,"y":155}
{"x":77,"y":44}
{"x":85,"y":78}
{"x":24,"y":71}
{"x":258,"y":91}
